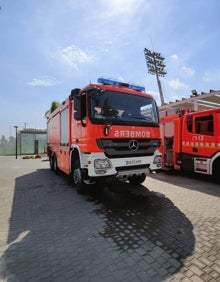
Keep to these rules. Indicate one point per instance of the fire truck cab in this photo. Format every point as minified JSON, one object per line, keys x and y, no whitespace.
{"x":105,"y":130}
{"x":191,"y":141}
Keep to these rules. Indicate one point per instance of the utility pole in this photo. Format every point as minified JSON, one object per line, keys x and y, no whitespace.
{"x":16,"y":141}
{"x":156,"y":66}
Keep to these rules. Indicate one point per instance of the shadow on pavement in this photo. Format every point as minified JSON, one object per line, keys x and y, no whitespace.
{"x":135,"y":216}
{"x":57,"y":235}
{"x":198,"y":182}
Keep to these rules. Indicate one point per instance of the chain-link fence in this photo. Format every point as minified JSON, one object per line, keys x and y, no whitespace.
{"x":28,"y":141}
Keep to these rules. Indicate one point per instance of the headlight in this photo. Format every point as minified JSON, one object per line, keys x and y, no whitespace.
{"x":102,"y":163}
{"x":157,"y":159}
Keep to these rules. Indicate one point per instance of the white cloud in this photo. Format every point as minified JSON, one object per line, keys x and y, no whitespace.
{"x":155,"y":94}
{"x":120,"y":78}
{"x":108,"y":42}
{"x":176,"y":84}
{"x":188,"y":71}
{"x":175,"y":57}
{"x":118,"y":7}
{"x":73,"y":55}
{"x":211,"y":76}
{"x":43,"y":82}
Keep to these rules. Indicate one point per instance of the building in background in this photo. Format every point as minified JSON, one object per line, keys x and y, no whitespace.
{"x":32,"y":141}
{"x":29,"y":142}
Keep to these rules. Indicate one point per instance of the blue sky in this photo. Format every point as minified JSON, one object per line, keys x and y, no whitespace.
{"x":50,"y":47}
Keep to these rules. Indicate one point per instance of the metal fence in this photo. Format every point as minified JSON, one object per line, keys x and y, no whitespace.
{"x":29,"y":141}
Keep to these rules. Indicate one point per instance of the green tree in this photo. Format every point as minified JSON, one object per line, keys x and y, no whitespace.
{"x":3,"y":145}
{"x":3,"y":140}
{"x":53,"y":107}
{"x":11,"y":140}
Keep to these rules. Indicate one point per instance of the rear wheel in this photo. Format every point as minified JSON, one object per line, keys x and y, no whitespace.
{"x":56,"y":168}
{"x":137,"y":179}
{"x":51,"y":164}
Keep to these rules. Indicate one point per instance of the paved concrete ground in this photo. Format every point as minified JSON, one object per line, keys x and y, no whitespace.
{"x":166,"y":230}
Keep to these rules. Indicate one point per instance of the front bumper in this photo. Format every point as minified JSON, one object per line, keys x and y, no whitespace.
{"x":99,"y":165}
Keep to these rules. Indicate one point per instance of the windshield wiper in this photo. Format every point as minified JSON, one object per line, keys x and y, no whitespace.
{"x":140,"y":117}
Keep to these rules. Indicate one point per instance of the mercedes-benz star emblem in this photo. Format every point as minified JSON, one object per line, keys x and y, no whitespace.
{"x":133,"y":145}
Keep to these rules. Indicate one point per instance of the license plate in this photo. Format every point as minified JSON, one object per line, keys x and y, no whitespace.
{"x":132,"y":162}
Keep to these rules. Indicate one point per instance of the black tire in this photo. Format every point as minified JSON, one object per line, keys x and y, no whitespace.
{"x":81,"y":187}
{"x":216,"y":171}
{"x":136,"y":180}
{"x":55,"y":165}
{"x":51,"y":163}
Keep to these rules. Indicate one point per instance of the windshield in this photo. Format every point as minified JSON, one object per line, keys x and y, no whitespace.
{"x":122,"y":108}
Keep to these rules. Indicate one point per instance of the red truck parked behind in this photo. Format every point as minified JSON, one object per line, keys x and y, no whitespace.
{"x":105,"y":130}
{"x":191,"y":141}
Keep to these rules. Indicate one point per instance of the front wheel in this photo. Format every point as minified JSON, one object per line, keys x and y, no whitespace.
{"x":78,"y":178}
{"x":216,"y":171}
{"x":136,"y":180}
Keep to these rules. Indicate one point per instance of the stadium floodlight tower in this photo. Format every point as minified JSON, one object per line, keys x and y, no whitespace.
{"x":156,"y":66}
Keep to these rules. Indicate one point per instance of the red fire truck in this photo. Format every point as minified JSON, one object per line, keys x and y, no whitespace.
{"x":105,"y":130}
{"x":191,"y":141}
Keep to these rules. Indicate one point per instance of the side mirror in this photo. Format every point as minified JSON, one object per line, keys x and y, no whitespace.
{"x":73,"y":93}
{"x":77,"y":107}
{"x":77,"y":103}
{"x":77,"y":116}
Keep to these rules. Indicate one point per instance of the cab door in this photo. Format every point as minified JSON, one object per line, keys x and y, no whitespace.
{"x":198,"y":142}
{"x":63,"y":154}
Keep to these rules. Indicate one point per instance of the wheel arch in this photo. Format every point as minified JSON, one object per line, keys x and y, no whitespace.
{"x":215,"y":161}
{"x":74,"y":155}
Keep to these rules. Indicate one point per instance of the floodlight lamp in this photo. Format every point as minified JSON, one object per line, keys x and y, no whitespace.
{"x":194,"y":92}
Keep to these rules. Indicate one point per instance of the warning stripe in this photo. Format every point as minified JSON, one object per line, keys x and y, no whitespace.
{"x":209,"y":145}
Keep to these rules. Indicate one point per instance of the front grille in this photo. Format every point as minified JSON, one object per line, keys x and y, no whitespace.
{"x":135,"y":167}
{"x":116,"y":148}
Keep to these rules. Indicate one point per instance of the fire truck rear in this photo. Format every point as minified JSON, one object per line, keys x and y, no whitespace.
{"x":105,"y":131}
{"x":191,"y":141}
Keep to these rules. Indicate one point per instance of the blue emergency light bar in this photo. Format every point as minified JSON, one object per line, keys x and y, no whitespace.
{"x":108,"y":81}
